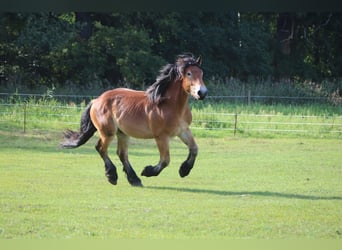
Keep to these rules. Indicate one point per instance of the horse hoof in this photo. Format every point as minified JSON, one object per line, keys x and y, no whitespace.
{"x":113,"y":179}
{"x":112,"y":176}
{"x":185,"y":169}
{"x":137,"y":184}
{"x":148,"y":171}
{"x":113,"y":182}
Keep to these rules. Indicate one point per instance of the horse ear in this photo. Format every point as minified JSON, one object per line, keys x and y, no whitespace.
{"x":199,"y":60}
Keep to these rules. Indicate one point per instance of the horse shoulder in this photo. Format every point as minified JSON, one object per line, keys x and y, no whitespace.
{"x":187,"y":116}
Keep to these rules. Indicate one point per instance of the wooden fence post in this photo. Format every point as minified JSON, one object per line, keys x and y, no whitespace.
{"x":249,"y":98}
{"x":235,"y":124}
{"x":24,"y":117}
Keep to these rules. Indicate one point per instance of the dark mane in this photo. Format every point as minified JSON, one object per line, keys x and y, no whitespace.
{"x":168,"y":74}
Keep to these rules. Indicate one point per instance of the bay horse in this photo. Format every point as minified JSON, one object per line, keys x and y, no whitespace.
{"x":161,"y":112}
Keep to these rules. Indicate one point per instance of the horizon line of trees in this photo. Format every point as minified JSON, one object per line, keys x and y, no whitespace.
{"x":129,"y":48}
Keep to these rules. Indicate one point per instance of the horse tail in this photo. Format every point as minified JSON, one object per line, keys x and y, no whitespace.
{"x":74,"y":139}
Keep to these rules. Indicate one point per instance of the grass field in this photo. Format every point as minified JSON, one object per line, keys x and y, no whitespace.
{"x":240,"y":188}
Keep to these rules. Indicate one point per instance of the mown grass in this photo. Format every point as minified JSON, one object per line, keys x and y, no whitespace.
{"x":280,"y":188}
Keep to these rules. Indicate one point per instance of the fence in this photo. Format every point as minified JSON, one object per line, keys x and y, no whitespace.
{"x":304,"y":125}
{"x":49,"y":115}
{"x":248,"y":98}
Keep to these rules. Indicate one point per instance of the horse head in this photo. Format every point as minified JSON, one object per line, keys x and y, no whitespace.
{"x":192,"y":80}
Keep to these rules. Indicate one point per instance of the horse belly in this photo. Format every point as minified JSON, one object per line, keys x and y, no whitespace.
{"x":135,"y":128}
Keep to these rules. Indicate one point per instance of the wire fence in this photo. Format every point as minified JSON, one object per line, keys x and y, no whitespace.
{"x":248,"y":98}
{"x":25,"y":116}
{"x":304,"y":125}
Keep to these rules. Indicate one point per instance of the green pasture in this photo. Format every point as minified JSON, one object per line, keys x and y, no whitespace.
{"x":240,"y":188}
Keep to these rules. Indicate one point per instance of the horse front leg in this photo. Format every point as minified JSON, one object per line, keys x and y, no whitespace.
{"x":187,"y":137}
{"x":163,"y":147}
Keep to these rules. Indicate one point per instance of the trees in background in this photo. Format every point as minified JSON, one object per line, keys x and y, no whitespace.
{"x":127,"y":49}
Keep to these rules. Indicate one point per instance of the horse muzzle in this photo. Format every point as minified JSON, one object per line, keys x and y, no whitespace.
{"x":202,"y":92}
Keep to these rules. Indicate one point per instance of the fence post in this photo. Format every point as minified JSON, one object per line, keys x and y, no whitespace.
{"x":249,"y":98}
{"x":24,"y":117}
{"x":235,"y":124}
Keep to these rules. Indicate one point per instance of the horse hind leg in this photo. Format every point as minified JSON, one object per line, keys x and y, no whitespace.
{"x":122,"y":152}
{"x":102,"y":148}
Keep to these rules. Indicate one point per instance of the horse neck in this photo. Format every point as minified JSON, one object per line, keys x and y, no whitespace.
{"x":177,"y":96}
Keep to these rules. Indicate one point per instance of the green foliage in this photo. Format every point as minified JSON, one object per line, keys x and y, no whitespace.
{"x":255,"y":55}
{"x":27,"y":60}
{"x":110,"y":56}
{"x":82,"y":51}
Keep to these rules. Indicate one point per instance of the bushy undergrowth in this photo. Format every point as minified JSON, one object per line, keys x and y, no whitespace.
{"x":275,"y":92}
{"x":287,"y":92}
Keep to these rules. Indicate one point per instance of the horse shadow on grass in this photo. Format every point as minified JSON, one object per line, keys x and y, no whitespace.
{"x":245,"y":193}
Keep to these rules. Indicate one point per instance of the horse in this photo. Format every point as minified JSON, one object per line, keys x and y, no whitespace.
{"x":161,"y":112}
